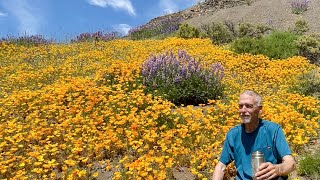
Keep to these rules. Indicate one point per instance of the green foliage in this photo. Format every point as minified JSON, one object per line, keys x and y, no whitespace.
{"x":221,"y":33}
{"x":309,"y":84}
{"x":144,"y":34}
{"x":186,"y":31}
{"x":181,"y":79}
{"x":309,"y":47}
{"x":217,"y":32}
{"x":280,"y":45}
{"x":310,"y":165}
{"x":300,"y":27}
{"x":164,"y":36}
{"x":252,"y":31}
{"x":246,"y":45}
{"x":277,"y":45}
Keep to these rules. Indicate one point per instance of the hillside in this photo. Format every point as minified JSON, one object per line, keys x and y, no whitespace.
{"x":275,"y":13}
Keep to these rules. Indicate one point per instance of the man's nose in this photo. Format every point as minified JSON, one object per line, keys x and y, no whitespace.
{"x":243,"y":109}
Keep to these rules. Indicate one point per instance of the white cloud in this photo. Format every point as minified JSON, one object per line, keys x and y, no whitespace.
{"x":168,"y":6}
{"x":199,"y":1}
{"x":28,"y":18}
{"x":122,"y":28}
{"x":117,"y":4}
{"x":3,"y":14}
{"x":172,"y":6}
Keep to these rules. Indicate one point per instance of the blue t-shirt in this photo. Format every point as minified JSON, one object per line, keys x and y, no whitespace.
{"x":239,"y":145}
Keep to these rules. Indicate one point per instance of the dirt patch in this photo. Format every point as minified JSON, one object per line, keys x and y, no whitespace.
{"x":275,"y":13}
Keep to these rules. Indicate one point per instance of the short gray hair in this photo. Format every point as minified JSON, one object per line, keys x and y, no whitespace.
{"x":254,"y":94}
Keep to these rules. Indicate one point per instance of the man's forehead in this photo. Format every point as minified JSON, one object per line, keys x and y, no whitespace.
{"x":245,"y":98}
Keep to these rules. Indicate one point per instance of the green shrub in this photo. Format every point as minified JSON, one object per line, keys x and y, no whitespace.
{"x":217,"y":32}
{"x":221,"y":33}
{"x":232,"y":28}
{"x":310,"y":165}
{"x":300,"y":27}
{"x":181,"y":79}
{"x":309,"y":84}
{"x":278,"y":45}
{"x":186,"y":31}
{"x":143,"y":34}
{"x":252,"y":31}
{"x":246,"y":45}
{"x":309,"y":47}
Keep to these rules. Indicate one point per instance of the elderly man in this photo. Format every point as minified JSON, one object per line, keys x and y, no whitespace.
{"x":255,"y":134}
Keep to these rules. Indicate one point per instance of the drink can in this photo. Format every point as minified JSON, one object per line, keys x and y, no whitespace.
{"x":257,"y":158}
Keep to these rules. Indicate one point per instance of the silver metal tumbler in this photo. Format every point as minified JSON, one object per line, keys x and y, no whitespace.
{"x":257,"y":158}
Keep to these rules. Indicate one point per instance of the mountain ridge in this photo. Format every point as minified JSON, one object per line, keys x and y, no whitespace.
{"x":275,"y":13}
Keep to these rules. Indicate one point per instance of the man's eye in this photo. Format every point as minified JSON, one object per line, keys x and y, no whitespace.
{"x":249,"y":106}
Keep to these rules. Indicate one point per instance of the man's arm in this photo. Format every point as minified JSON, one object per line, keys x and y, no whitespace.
{"x":219,"y":171}
{"x":269,"y":171}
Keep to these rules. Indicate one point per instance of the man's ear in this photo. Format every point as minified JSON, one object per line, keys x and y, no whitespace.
{"x":260,"y":109}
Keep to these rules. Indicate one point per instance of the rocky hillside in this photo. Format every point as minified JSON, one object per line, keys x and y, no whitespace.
{"x":275,"y":13}
{"x":199,"y":10}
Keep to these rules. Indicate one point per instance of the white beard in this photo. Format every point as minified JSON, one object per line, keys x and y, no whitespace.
{"x":245,"y":119}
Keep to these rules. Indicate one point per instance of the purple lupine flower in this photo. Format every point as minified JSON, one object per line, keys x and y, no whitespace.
{"x":167,"y":66}
{"x":218,"y":70}
{"x":177,"y":79}
{"x":167,"y":71}
{"x":96,"y":36}
{"x":28,"y":40}
{"x":299,"y":6}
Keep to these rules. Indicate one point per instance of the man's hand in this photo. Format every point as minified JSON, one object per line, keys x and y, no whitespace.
{"x":219,"y":171}
{"x":268,"y":171}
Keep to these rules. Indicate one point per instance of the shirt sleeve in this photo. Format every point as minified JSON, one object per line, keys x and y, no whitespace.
{"x":227,"y":154}
{"x":282,"y":145}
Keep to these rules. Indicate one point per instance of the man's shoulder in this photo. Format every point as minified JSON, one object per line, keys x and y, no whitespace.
{"x":270,"y":127}
{"x":269,"y":124}
{"x":234,"y":130}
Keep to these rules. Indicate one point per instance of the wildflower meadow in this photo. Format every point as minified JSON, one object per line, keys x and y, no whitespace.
{"x":74,"y":111}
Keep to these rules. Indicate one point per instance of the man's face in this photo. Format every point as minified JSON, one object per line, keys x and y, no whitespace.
{"x":248,"y":109}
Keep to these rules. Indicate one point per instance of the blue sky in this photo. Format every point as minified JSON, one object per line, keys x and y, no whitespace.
{"x":64,"y":19}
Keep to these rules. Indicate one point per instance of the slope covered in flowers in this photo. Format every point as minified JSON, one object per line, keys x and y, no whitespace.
{"x":74,"y":110}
